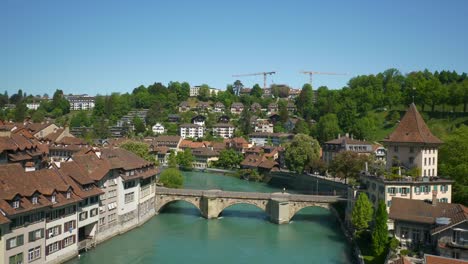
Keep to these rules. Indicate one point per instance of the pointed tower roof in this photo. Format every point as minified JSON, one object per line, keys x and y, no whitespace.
{"x":412,"y":129}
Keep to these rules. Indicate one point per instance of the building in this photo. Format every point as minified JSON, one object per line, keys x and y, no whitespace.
{"x":291,"y":107}
{"x":219,"y":107}
{"x":263,"y":126}
{"x":224,"y":119}
{"x":80,"y":102}
{"x":345,"y":143}
{"x":191,"y":131}
{"x":198,"y":120}
{"x":275,"y":139}
{"x":194,"y":90}
{"x":184,"y":107}
{"x":442,"y":226}
{"x":63,"y":149}
{"x":431,"y":259}
{"x":272,"y":108}
{"x":223,"y":130}
{"x":173,"y":118}
{"x":237,"y":108}
{"x":412,"y":144}
{"x":23,"y":148}
{"x":127,"y":120}
{"x":33,"y":105}
{"x":203,"y":157}
{"x":158,"y":128}
{"x":255,"y":107}
{"x":203,"y":106}
{"x":171,"y":142}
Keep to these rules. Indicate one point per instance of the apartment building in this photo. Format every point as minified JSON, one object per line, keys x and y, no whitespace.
{"x":203,"y":157}
{"x":158,"y":128}
{"x":192,"y":131}
{"x":263,"y":126}
{"x":223,"y":130}
{"x":333,"y":147}
{"x":20,"y":146}
{"x":81,"y":102}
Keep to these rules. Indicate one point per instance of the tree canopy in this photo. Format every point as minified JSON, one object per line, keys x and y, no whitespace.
{"x":172,"y":178}
{"x":301,"y":151}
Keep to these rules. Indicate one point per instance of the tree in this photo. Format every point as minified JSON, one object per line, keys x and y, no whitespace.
{"x":348,"y":164}
{"x":172,"y":178}
{"x":138,"y":125}
{"x":228,"y":158}
{"x":301,"y":127}
{"x":364,"y":128}
{"x":244,"y":120}
{"x":327,"y":127}
{"x":204,"y":93}
{"x":139,"y":148}
{"x":185,"y":159}
{"x":38,"y":116}
{"x":362,"y":213}
{"x":172,"y":160}
{"x":237,"y":87}
{"x":380,"y":232}
{"x":453,"y":163}
{"x":21,"y":112}
{"x":256,"y":91}
{"x":305,"y":102}
{"x":302,"y":150}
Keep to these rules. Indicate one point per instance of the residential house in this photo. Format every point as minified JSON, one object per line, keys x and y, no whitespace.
{"x":237,"y":108}
{"x":331,"y":148}
{"x":272,"y":108}
{"x":263,"y":126}
{"x":219,"y":107}
{"x":203,"y":106}
{"x":291,"y":107}
{"x":203,"y":157}
{"x":224,"y":119}
{"x":432,"y":259}
{"x":158,"y":128}
{"x":23,"y":148}
{"x":239,"y":144}
{"x":198,"y":120}
{"x":194,"y":90}
{"x":173,"y":118}
{"x":62,"y":150}
{"x":223,"y":130}
{"x":294,"y":93}
{"x":171,"y":142}
{"x":255,"y":107}
{"x":262,"y":139}
{"x":80,"y":102}
{"x":184,"y":107}
{"x":192,"y":131}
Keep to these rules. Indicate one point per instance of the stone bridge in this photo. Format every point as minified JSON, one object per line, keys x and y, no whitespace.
{"x":280,"y":207}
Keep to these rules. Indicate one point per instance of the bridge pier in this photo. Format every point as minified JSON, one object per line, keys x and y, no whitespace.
{"x":209,"y":205}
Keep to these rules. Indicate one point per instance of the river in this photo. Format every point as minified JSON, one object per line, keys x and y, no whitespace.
{"x":242,"y":235}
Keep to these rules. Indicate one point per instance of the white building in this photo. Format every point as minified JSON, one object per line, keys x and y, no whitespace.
{"x":33,"y":105}
{"x":80,"y":102}
{"x":223,"y":130}
{"x":263,"y":126}
{"x":158,"y":128}
{"x":192,"y":131}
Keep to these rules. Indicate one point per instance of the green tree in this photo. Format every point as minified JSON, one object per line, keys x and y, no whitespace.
{"x":348,"y":164}
{"x":172,"y":178}
{"x":380,"y":232}
{"x":228,"y":158}
{"x":304,"y":102}
{"x":38,"y":116}
{"x":327,"y":127}
{"x":453,"y":163}
{"x":21,"y":111}
{"x":172,"y":160}
{"x":204,"y":93}
{"x":301,"y":127}
{"x":185,"y":159}
{"x":302,"y":150}
{"x":256,"y":91}
{"x":362,"y":213}
{"x":364,"y":128}
{"x":139,"y":148}
{"x":244,"y":121}
{"x":138,"y":125}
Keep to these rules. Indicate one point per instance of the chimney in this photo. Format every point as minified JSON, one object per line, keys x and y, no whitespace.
{"x":434,"y":198}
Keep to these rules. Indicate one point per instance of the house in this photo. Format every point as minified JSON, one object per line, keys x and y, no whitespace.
{"x":294,"y":93}
{"x":203,"y":157}
{"x":219,"y":107}
{"x":63,"y":149}
{"x":194,"y":90}
{"x":237,"y":108}
{"x":198,"y":120}
{"x":158,"y":128}
{"x":239,"y":144}
{"x":80,"y":102}
{"x":291,"y":107}
{"x":255,"y":107}
{"x":33,"y":105}
{"x":40,"y":130}
{"x":223,"y":130}
{"x":274,"y":118}
{"x":203,"y":106}
{"x":191,"y":131}
{"x":272,"y":108}
{"x":412,"y":144}
{"x":23,"y":148}
{"x":127,"y":120}
{"x":224,"y":119}
{"x":263,"y":126}
{"x":442,"y":226}
{"x":173,"y":118}
{"x":261,"y":163}
{"x":245,"y":91}
{"x":171,"y":142}
{"x":266,"y":93}
{"x":184,"y":107}
{"x":331,"y":148}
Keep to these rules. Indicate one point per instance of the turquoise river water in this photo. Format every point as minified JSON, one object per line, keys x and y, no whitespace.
{"x":242,"y":235}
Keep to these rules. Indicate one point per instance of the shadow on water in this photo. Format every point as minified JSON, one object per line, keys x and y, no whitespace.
{"x":234,"y":213}
{"x":180,"y":207}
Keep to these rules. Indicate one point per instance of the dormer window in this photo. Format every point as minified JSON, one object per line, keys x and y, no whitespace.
{"x":15,"y":204}
{"x":34,"y":199}
{"x":53,"y":198}
{"x":68,"y":194}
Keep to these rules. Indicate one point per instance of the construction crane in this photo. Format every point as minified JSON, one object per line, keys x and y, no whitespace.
{"x":314,"y":72}
{"x":258,"y":73}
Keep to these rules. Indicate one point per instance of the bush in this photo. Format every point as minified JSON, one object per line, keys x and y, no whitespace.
{"x":394,"y":243}
{"x":172,"y":178}
{"x":405,"y":252}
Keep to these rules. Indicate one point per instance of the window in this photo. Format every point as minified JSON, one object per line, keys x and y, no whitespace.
{"x":17,"y":259}
{"x":433,"y":161}
{"x":93,"y":212}
{"x":54,"y":247}
{"x":34,"y":200}
{"x":426,"y":188}
{"x":433,"y":172}
{"x":392,"y":190}
{"x":443,"y":200}
{"x":15,"y":242}
{"x":68,"y":241}
{"x":417,"y":189}
{"x":411,"y":150}
{"x":389,"y":203}
{"x":93,"y":199}
{"x":129,"y":184}
{"x":36,"y":234}
{"x":395,"y":148}
{"x":15,"y":204}
{"x":112,"y":193}
{"x":425,"y":161}
{"x":34,"y":253}
{"x":129,"y":197}
{"x":112,"y":206}
{"x":404,"y":191}
{"x":102,"y":209}
{"x":102,"y":220}
{"x":54,"y":231}
{"x":111,"y":217}
{"x":444,"y":188}
{"x":69,"y":226}
{"x":68,"y":194}
{"x":83,"y":216}
{"x":53,"y":199}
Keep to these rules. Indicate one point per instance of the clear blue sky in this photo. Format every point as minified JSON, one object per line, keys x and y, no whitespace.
{"x":108,"y":45}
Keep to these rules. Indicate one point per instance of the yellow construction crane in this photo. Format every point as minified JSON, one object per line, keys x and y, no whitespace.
{"x":258,"y":73}
{"x":314,"y":72}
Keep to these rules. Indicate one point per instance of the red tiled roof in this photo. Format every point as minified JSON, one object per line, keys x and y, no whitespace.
{"x":431,"y":259}
{"x":412,"y":129}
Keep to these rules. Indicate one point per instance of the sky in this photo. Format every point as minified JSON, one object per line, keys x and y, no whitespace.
{"x":105,"y":46}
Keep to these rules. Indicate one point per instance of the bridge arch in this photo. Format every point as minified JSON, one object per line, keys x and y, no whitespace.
{"x":295,"y":208}
{"x":166,"y":200}
{"x":226,"y":203}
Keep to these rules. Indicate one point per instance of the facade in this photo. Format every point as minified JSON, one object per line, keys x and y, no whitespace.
{"x":203,"y":157}
{"x":33,"y":105}
{"x":198,"y":120}
{"x":237,"y":108}
{"x":158,"y":128}
{"x":184,"y":107}
{"x":275,"y":139}
{"x":272,"y":108}
{"x":263,"y":126}
{"x":345,"y":143}
{"x":194,"y":91}
{"x":23,"y":148}
{"x":80,"y":102}
{"x":442,"y":226}
{"x":171,"y":142}
{"x":223,"y":130}
{"x":412,"y":145}
{"x":192,"y":131}
{"x":219,"y":107}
